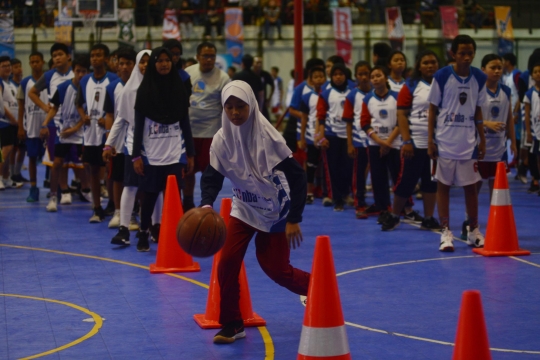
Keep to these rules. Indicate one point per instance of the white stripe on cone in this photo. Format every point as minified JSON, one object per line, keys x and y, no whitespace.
{"x":501,"y":197}
{"x":321,"y":342}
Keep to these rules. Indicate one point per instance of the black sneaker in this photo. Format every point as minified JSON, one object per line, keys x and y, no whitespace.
{"x":46,"y":184}
{"x":309,"y":199}
{"x":391,"y":222}
{"x":465,"y":230}
{"x":109,"y":210}
{"x":19,"y":178}
{"x":143,"y":244}
{"x":413,"y":216}
{"x":338,"y":207}
{"x":154,"y":232}
{"x":372,"y":210}
{"x":430,"y":223}
{"x":533,"y":189}
{"x":230,"y":332}
{"x":122,"y":237}
{"x":98,"y":216}
{"x":383,"y":216}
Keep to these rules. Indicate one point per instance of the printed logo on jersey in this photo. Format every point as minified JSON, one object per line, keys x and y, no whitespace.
{"x":199,"y":87}
{"x":454,"y":118}
{"x":245,"y":196}
{"x":96,"y":96}
{"x":495,"y":112}
{"x":463,"y":98}
{"x":383,"y":113}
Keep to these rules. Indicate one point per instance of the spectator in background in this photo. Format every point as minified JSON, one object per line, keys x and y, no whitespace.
{"x":277,"y":97}
{"x":267,"y":80}
{"x":271,"y":18}
{"x":190,"y":61}
{"x":213,"y":18}
{"x":231,"y":70}
{"x":251,"y":78}
{"x":381,"y":51}
{"x":186,"y":19}
{"x":377,"y":7}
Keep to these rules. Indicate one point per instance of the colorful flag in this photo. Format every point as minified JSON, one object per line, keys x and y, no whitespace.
{"x":7,"y":37}
{"x":394,"y":27}
{"x":505,"y":30}
{"x":234,"y":33}
{"x":170,"y":25}
{"x":126,"y":28}
{"x":343,"y":33}
{"x":449,"y":22}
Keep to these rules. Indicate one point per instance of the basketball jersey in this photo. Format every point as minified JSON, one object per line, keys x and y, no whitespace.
{"x":496,"y":108}
{"x":66,"y":95}
{"x":9,"y":94}
{"x":276,"y":96}
{"x":53,"y":78}
{"x":334,"y":102}
{"x":511,"y":81}
{"x":93,"y":95}
{"x":352,"y":110}
{"x":33,"y":114}
{"x":350,"y":83}
{"x":457,"y":99}
{"x":527,"y":78}
{"x":414,"y":97}
{"x":532,"y":97}
{"x":114,"y":89}
{"x":395,"y":85}
{"x":296,"y":100}
{"x":309,"y":106}
{"x":381,"y":115}
{"x":162,"y":143}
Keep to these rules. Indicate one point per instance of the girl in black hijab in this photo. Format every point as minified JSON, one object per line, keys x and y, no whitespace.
{"x":161,"y":126}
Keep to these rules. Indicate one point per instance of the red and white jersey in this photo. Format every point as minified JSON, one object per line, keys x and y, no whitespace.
{"x":308,"y":106}
{"x":496,"y":108}
{"x":457,"y":99}
{"x":414,"y":97}
{"x":332,"y":101}
{"x":381,"y":115}
{"x":532,"y":96}
{"x":396,"y":85}
{"x":352,"y":111}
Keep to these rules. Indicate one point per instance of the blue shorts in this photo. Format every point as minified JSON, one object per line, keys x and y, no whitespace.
{"x":34,"y":147}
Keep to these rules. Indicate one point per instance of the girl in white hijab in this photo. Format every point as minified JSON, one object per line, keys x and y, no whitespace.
{"x":269,"y":193}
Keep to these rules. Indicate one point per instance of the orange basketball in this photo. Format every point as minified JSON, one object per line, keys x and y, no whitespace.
{"x":201,"y":232}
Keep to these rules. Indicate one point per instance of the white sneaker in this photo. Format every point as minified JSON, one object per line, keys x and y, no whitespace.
{"x":133,"y":223}
{"x":475,"y":238}
{"x":115,"y":221}
{"x":327,"y":201}
{"x":104,"y":192}
{"x":87,"y":196}
{"x":65,"y":199}
{"x":52,"y":205}
{"x":447,"y":241}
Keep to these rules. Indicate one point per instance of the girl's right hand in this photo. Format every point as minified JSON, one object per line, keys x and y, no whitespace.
{"x":529,"y":137}
{"x":138,"y":166}
{"x":302,"y":144}
{"x":351,"y":151}
{"x":407,"y":151}
{"x":432,"y":151}
{"x":293,"y":234}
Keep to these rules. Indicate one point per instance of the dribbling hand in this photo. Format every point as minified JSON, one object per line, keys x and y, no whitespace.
{"x":293,"y":234}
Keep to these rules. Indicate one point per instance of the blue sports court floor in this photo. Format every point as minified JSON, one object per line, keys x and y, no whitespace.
{"x":67,"y":293}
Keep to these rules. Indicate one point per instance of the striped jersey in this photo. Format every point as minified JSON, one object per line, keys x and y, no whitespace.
{"x":352,"y":110}
{"x":33,"y":114}
{"x":496,"y":108}
{"x":64,"y":99}
{"x":532,"y":96}
{"x":380,"y":114}
{"x":93,"y":95}
{"x":308,"y":106}
{"x":457,"y":98}
{"x":414,"y":97}
{"x":330,"y":108}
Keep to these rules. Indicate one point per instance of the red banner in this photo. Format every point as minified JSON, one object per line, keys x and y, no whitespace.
{"x":170,"y":25}
{"x":449,"y":22}
{"x":343,"y":33}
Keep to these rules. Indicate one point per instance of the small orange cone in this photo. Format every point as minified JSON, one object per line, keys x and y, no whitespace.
{"x":501,"y":234}
{"x":170,"y":257}
{"x":471,"y":338}
{"x":210,"y":319}
{"x":323,"y":332}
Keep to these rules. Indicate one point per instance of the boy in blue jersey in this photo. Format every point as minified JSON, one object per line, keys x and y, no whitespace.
{"x":532,"y":114}
{"x":455,"y":122}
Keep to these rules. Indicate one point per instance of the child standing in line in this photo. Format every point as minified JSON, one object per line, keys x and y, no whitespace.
{"x":455,"y":122}
{"x":397,"y":63}
{"x":356,"y":137}
{"x":269,"y":193}
{"x":532,"y":113}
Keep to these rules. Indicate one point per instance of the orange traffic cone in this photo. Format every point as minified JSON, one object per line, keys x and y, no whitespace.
{"x":501,"y":234}
{"x":170,"y":257}
{"x":471,"y":338}
{"x":323,"y":333}
{"x":210,"y":319}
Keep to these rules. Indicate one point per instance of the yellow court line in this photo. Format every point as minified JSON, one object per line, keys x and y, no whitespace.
{"x":267,"y":339}
{"x":95,"y":329}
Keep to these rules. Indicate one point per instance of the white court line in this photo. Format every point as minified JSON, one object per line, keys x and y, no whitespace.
{"x":525,"y":261}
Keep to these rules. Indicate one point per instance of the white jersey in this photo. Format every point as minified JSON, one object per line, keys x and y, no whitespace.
{"x":532,"y":97}
{"x":395,"y":85}
{"x":10,"y":99}
{"x":414,"y":97}
{"x":457,"y":99}
{"x":289,"y":95}
{"x":381,"y":115}
{"x":527,"y":79}
{"x":496,"y":108}
{"x":352,"y":111}
{"x":33,"y":114}
{"x":50,"y":81}
{"x":93,"y":95}
{"x":65,"y":100}
{"x":309,"y":106}
{"x":511,"y":81}
{"x":162,"y":144}
{"x":276,"y":96}
{"x":335,"y":100}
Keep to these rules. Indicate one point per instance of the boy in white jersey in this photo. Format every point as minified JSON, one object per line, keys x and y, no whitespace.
{"x":8,"y":122}
{"x":92,"y":94}
{"x":532,"y":113}
{"x":454,"y":124}
{"x":68,"y":132}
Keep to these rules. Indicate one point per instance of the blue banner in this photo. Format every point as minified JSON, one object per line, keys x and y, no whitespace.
{"x":7,"y":38}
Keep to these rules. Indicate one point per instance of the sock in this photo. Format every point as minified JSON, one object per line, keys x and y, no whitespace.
{"x":17,"y":168}
{"x":473,"y":223}
{"x":156,"y":215}
{"x":445,"y":221}
{"x":126,"y":204}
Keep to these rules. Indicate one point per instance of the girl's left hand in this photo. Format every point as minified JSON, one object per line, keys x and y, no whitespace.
{"x":190,"y":165}
{"x":138,"y":166}
{"x":293,"y":234}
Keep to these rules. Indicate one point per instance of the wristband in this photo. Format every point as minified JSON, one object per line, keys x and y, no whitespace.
{"x":106,"y":148}
{"x":135,"y":159}
{"x":407,"y":142}
{"x":321,"y":141}
{"x":370,"y":132}
{"x":207,"y":206}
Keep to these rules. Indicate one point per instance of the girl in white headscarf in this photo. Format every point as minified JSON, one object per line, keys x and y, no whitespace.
{"x":269,"y":193}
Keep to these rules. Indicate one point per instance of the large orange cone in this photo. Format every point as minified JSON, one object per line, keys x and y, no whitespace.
{"x":323,"y":333}
{"x":471,"y":338}
{"x":501,"y":234}
{"x":170,"y":257}
{"x":210,"y":319}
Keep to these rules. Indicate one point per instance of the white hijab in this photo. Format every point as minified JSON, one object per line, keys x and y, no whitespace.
{"x":126,"y":103}
{"x":247,"y":153}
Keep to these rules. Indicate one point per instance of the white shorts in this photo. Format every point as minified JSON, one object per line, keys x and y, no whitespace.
{"x":457,"y":172}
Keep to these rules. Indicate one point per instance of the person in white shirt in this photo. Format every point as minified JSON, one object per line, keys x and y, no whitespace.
{"x":532,"y":113}
{"x":8,"y":121}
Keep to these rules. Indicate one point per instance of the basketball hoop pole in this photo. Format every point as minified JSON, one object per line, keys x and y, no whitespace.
{"x":298,"y":42}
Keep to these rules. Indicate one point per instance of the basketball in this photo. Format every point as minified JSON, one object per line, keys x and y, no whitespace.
{"x":201,"y":232}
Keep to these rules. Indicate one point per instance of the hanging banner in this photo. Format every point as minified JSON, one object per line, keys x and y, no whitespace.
{"x":394,"y":27}
{"x":234,"y":33}
{"x":126,"y":28}
{"x":7,"y":38}
{"x":170,"y":25}
{"x":449,"y":22}
{"x":505,"y":30}
{"x":63,"y":29}
{"x":343,"y":33}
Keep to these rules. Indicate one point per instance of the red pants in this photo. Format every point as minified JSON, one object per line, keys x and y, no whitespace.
{"x":273,"y":256}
